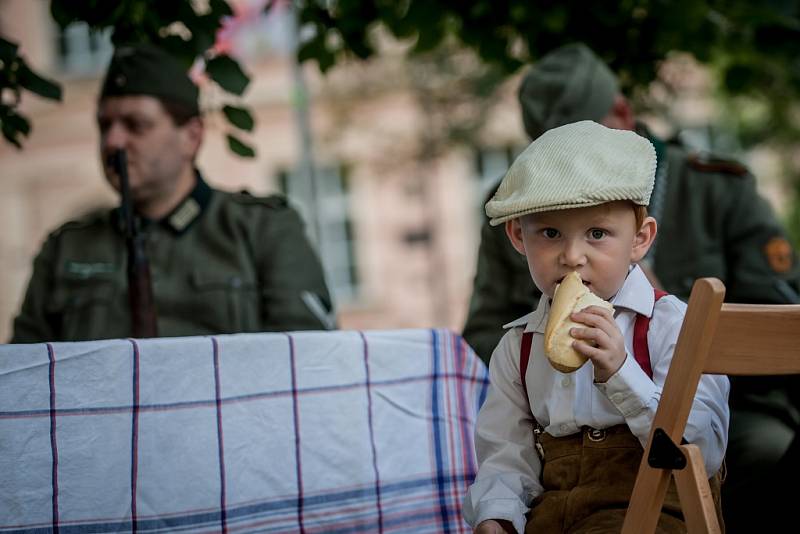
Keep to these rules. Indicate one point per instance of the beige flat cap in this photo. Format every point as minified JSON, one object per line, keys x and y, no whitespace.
{"x":574,"y":166}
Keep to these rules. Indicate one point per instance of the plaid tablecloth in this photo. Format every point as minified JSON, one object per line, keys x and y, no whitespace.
{"x":303,"y":432}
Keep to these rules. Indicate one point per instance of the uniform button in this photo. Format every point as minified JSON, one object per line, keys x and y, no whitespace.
{"x":564,"y":427}
{"x":235,"y":282}
{"x":565,"y":381}
{"x":616,"y":398}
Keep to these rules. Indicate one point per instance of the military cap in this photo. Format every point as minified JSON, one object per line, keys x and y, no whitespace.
{"x":566,"y":85}
{"x":574,"y":166}
{"x":144,"y":69}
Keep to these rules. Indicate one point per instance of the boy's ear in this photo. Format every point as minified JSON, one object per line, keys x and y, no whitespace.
{"x":514,"y":233}
{"x":643,"y":239}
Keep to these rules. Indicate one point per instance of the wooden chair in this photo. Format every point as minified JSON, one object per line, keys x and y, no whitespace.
{"x":716,"y":338}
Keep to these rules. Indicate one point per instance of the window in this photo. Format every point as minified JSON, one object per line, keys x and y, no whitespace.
{"x":83,"y":52}
{"x":491,"y":164}
{"x":336,"y":240}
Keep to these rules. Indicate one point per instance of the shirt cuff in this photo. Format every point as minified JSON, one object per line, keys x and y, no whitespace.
{"x":501,"y":509}
{"x":630,"y":390}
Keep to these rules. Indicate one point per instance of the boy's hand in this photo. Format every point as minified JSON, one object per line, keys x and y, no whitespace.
{"x":495,"y":526}
{"x":601,"y":341}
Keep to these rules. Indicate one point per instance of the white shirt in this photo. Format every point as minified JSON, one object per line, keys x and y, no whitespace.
{"x":509,"y":467}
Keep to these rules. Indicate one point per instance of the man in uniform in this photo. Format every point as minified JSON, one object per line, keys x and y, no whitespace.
{"x":712,"y":222}
{"x":220,"y":262}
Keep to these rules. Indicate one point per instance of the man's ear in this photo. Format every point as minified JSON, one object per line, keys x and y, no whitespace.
{"x":643,"y":239}
{"x":620,"y":116}
{"x":192,"y":133}
{"x":514,"y":233}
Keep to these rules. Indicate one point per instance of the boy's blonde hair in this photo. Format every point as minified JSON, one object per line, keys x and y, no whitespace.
{"x":640,"y":212}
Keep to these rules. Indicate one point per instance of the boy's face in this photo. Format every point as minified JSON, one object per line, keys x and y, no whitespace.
{"x":600,"y":242}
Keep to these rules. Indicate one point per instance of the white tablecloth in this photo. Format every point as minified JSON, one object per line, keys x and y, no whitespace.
{"x":302,"y":432}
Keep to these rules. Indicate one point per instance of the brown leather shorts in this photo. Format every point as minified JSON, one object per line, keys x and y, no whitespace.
{"x":588,"y":478}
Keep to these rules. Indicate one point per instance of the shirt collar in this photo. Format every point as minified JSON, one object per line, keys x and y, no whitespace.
{"x":534,"y":321}
{"x":636,"y":294}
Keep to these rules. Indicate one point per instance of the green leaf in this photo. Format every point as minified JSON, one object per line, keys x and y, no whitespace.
{"x":37,"y":84}
{"x":222,"y":9}
{"x":739,"y":77}
{"x":316,"y":49}
{"x":240,"y":148}
{"x":13,"y":126}
{"x":8,"y":50}
{"x":228,"y":74}
{"x":239,"y":117}
{"x":61,"y":13}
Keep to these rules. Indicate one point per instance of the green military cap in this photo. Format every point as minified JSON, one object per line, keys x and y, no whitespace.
{"x":144,"y":69}
{"x":566,"y":85}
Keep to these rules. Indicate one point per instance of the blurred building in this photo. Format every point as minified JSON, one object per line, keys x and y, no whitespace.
{"x":404,"y":154}
{"x":397,"y":204}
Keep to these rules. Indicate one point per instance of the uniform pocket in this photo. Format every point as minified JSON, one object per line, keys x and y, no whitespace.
{"x":227,"y":302}
{"x":86,"y":309}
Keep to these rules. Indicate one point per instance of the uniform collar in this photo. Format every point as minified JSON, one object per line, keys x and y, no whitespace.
{"x":190,"y":208}
{"x":179,"y":219}
{"x":659,"y":145}
{"x":636,"y":294}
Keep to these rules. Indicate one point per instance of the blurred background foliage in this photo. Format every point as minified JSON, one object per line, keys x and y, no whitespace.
{"x":753,"y":48}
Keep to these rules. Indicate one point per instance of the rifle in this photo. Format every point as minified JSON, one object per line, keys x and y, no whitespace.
{"x":140,"y":288}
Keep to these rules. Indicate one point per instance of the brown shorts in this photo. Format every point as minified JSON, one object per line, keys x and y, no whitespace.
{"x":588,"y":479}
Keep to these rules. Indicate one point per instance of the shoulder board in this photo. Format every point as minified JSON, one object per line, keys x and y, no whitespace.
{"x":85,"y":221}
{"x":708,"y":163}
{"x":271,"y":201}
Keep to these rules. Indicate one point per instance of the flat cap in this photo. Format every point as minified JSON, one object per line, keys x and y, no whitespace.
{"x":144,"y":69}
{"x":566,"y":85}
{"x":574,"y":166}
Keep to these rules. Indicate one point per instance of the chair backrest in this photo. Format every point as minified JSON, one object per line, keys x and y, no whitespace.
{"x":716,"y":338}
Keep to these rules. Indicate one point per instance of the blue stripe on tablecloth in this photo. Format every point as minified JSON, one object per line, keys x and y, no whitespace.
{"x":372,"y":433}
{"x":134,"y":433}
{"x":467,"y":443}
{"x":437,"y":434}
{"x":452,"y":458}
{"x":220,"y":441}
{"x":66,"y":412}
{"x":241,"y":513}
{"x":53,"y":441}
{"x":296,"y":411}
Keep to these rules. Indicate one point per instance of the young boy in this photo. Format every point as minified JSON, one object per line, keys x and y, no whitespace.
{"x":559,"y":452}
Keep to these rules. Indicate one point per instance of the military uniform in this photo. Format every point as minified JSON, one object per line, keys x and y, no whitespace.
{"x":220,"y":263}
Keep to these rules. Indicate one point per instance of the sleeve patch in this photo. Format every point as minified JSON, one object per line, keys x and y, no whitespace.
{"x":705,"y":163}
{"x":779,"y":255}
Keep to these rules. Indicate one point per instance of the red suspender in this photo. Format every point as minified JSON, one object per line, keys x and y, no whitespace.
{"x":524,"y":356}
{"x":641,"y":351}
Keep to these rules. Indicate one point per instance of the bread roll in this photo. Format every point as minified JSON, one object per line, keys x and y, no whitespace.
{"x":570,"y":296}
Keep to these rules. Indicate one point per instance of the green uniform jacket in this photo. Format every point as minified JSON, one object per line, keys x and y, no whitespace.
{"x":220,"y":263}
{"x":713,"y":223}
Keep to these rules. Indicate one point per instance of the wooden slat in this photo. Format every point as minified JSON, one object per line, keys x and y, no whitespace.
{"x":735,"y":339}
{"x":756,"y":340}
{"x":695,"y":494}
{"x":694,"y":342}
